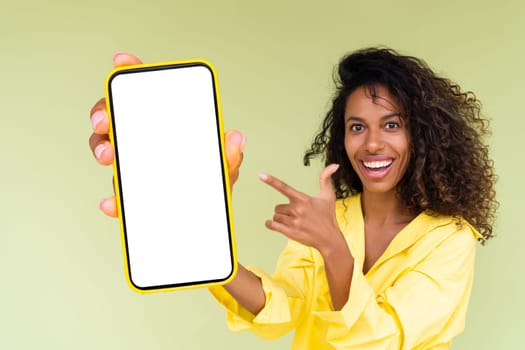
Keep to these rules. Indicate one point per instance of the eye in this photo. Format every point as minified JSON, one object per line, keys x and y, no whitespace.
{"x":356,"y":127}
{"x":391,"y":125}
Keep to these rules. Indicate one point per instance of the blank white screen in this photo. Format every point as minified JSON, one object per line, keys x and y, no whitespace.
{"x":172,"y":188}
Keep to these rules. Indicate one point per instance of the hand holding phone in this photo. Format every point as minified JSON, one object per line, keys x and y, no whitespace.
{"x":171,"y":175}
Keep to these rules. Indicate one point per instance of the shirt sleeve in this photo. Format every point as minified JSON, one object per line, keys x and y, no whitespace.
{"x":423,"y":309}
{"x":286,"y":294}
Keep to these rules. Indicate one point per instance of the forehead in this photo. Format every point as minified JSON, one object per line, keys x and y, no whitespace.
{"x":366,"y":100}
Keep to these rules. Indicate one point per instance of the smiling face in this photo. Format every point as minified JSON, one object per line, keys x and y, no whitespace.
{"x":376,"y":139}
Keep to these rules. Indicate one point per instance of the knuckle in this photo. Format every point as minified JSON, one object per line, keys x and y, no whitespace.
{"x":297,"y":222}
{"x":295,"y":209}
{"x":96,"y":139}
{"x":280,"y":208}
{"x":305,"y":199}
{"x":99,"y":105}
{"x":93,"y":141}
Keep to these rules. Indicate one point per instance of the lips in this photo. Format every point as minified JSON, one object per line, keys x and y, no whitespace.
{"x":377,"y":164}
{"x":376,"y":169}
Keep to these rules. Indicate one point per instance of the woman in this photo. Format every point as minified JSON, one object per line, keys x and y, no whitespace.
{"x":383,"y":256}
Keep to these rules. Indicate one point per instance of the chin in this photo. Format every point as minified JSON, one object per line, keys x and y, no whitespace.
{"x":380,"y":189}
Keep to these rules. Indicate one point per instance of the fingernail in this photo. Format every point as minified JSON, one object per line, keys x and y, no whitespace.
{"x":243,"y":142}
{"x":101,"y":204}
{"x":118,"y":53}
{"x":239,"y":138}
{"x":263,"y":176}
{"x":96,"y":118}
{"x":99,"y":149}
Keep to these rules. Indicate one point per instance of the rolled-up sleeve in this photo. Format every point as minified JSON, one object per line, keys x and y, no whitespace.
{"x":285,"y":291}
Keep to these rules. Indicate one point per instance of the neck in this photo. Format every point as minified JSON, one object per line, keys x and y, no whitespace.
{"x":384,"y":208}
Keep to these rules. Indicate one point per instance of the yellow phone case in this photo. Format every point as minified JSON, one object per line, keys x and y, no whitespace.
{"x":134,"y":240}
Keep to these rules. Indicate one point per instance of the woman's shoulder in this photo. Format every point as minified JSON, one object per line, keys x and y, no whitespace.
{"x":452,"y":223}
{"x":448,"y":228}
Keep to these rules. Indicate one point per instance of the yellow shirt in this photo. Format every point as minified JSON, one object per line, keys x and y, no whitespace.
{"x":414,"y":297}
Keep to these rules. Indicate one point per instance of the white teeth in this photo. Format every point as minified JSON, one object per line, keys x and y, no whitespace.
{"x":378,"y":164}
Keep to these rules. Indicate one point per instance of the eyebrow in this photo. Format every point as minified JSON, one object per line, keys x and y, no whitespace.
{"x":386,"y":116}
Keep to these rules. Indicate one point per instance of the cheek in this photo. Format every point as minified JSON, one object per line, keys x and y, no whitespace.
{"x":404,"y":150}
{"x":349,"y":145}
{"x":402,"y":145}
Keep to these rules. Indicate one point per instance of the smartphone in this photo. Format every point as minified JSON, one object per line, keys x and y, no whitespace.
{"x":171,"y":175}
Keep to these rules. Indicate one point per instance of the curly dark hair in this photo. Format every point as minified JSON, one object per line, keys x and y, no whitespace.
{"x":449,"y":170}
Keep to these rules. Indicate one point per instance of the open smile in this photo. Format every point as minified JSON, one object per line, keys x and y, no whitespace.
{"x":377,"y":169}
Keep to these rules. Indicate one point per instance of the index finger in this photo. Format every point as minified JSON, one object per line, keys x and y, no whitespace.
{"x":282,"y":187}
{"x":98,"y":114}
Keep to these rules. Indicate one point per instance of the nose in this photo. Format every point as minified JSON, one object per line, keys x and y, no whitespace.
{"x":374,"y":141}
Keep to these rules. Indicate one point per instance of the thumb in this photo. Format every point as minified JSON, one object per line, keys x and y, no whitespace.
{"x":124,"y":59}
{"x":235,"y":142}
{"x":325,"y":181}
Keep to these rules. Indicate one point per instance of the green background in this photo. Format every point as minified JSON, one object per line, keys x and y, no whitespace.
{"x":61,"y":269}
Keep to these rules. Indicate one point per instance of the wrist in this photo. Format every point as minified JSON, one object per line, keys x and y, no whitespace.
{"x":334,"y":247}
